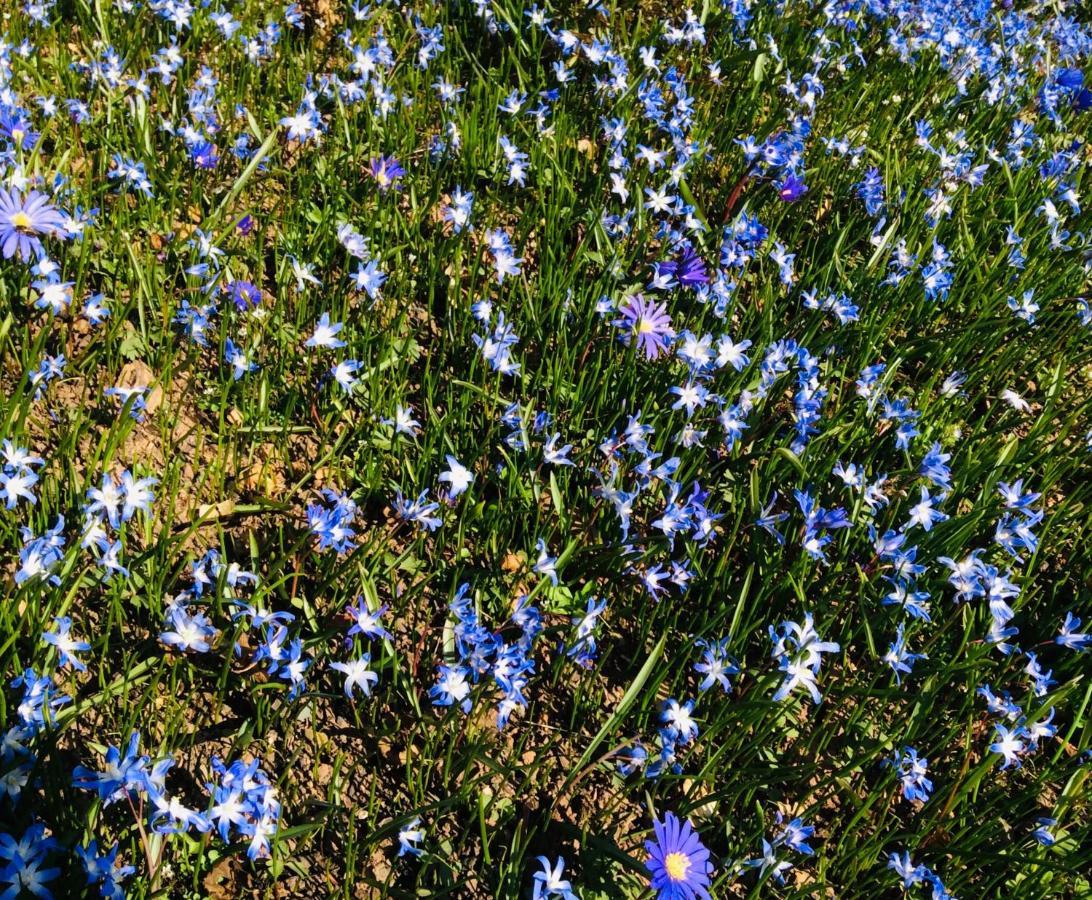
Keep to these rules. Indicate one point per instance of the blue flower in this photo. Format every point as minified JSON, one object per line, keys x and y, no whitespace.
{"x":193,"y":632}
{"x":170,"y":816}
{"x":798,"y":650}
{"x":912,"y":770}
{"x":103,"y":870}
{"x":678,"y":722}
{"x":124,"y":774}
{"x":452,"y":688}
{"x":716,"y":665}
{"x":583,"y":648}
{"x":40,"y":701}
{"x":325,"y":334}
{"x":906,"y":870}
{"x":457,"y":476}
{"x":899,"y":658}
{"x":549,"y":883}
{"x":357,"y":674}
{"x":66,"y":645}
{"x":418,"y":511}
{"x":545,"y":564}
{"x":1043,"y":834}
{"x":332,"y":524}
{"x":459,"y":210}
{"x":410,"y":836}
{"x":294,"y":668}
{"x":1009,"y":743}
{"x":40,"y":555}
{"x":16,"y":483}
{"x":238,"y":360}
{"x":24,"y":871}
{"x":367,"y":623}
{"x":369,"y":279}
{"x":1070,"y":637}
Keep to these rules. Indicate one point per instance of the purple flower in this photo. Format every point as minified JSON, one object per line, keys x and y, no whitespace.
{"x":22,"y":220}
{"x":243,"y":294}
{"x":687,"y":268}
{"x":650,"y":322}
{"x":1071,"y":82}
{"x":792,"y":189}
{"x":205,"y":155}
{"x":678,"y":861}
{"x":1069,"y":79}
{"x":386,"y":170}
{"x":16,"y":127}
{"x":690,"y":268}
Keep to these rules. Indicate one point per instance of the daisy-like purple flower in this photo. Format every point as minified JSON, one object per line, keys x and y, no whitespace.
{"x":386,"y":170}
{"x":650,"y":322}
{"x":23,"y":220}
{"x":678,"y":861}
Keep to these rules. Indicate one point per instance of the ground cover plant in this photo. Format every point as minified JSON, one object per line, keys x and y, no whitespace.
{"x":484,"y":449}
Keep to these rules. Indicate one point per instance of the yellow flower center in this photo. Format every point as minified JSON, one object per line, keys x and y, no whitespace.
{"x":676,"y":865}
{"x":644,"y":326}
{"x":21,"y":221}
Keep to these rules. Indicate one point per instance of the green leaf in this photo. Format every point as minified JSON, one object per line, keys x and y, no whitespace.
{"x":619,"y":713}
